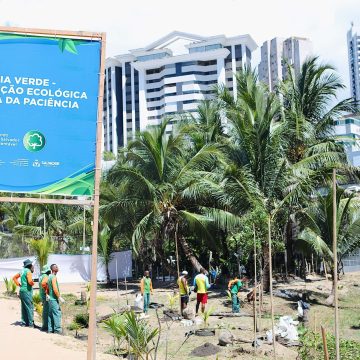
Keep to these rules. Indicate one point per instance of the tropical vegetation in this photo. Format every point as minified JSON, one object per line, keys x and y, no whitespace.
{"x":256,"y":167}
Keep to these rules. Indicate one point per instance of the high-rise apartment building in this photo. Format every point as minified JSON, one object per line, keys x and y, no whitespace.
{"x":353,"y":40}
{"x":169,"y":76}
{"x":348,"y":127}
{"x":276,"y":53}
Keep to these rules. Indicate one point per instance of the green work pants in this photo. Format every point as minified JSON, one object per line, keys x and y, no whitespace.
{"x":54,"y":322}
{"x":235,"y":303}
{"x":45,"y":315}
{"x":27,"y":307}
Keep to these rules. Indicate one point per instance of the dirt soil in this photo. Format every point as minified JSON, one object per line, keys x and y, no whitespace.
{"x":205,"y":350}
{"x":179,"y":346}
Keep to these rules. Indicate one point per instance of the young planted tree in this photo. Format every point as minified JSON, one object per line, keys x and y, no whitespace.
{"x":105,"y":247}
{"x":316,"y":223}
{"x":42,"y":248}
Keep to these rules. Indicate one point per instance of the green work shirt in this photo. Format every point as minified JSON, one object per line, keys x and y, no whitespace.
{"x":236,"y":287}
{"x":51,"y":289}
{"x":41,"y":289}
{"x":25,"y":286}
{"x":147,"y":288}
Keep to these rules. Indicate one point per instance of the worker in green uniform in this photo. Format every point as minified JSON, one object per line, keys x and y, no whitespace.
{"x":44,"y":294}
{"x":54,"y":318}
{"x":26,"y":293}
{"x":146,"y":289}
{"x":234,"y":287}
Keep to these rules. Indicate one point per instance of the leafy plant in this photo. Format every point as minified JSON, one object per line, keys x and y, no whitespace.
{"x":39,"y":309}
{"x":172,"y":300}
{"x":42,"y":248}
{"x":136,"y":332}
{"x":10,"y":286}
{"x":114,"y":326}
{"x":312,"y":347}
{"x":80,"y":321}
{"x":75,"y":326}
{"x":36,"y":299}
{"x":206,"y":315}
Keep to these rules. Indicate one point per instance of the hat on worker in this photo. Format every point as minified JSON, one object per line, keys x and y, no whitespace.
{"x":27,"y":262}
{"x":45,"y":269}
{"x":184,"y":273}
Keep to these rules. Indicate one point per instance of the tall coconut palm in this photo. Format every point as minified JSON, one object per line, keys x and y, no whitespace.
{"x":316,"y":223}
{"x":168,"y":185}
{"x":204,"y":126}
{"x":310,"y":108}
{"x":256,"y":176}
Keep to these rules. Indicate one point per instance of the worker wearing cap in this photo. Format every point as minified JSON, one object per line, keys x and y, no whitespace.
{"x":184,"y":289}
{"x":26,"y":293}
{"x":44,"y":294}
{"x":234,"y":287}
{"x":54,"y":317}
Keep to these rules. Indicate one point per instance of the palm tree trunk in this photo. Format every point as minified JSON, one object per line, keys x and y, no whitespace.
{"x":289,"y":241}
{"x":330,"y":300}
{"x":189,"y":254}
{"x":108,"y":281}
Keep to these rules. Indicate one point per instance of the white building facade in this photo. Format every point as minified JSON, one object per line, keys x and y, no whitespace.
{"x":348,"y":127}
{"x":353,"y":41}
{"x":276,"y":53}
{"x":169,"y":76}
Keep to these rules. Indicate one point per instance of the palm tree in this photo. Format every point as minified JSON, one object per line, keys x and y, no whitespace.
{"x":43,"y":248}
{"x":316,"y":223}
{"x":105,"y":246}
{"x":205,"y":125}
{"x":310,"y":108}
{"x":168,"y":184}
{"x":257,"y":174}
{"x":60,"y":222}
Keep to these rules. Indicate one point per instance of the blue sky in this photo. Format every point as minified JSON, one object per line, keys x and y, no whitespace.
{"x":133,"y":24}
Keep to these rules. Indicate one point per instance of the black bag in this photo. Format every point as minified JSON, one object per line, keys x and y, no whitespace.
{"x":195,"y":288}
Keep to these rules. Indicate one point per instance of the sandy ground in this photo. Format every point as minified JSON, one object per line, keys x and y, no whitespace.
{"x":69,"y":348}
{"x":19,"y":343}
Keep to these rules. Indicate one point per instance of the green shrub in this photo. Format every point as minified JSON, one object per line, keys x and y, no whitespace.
{"x":39,"y":309}
{"x":10,"y":286}
{"x":206,"y":316}
{"x":172,"y":300}
{"x":82,"y":320}
{"x":136,"y":332}
{"x":37,"y":299}
{"x":312,"y":347}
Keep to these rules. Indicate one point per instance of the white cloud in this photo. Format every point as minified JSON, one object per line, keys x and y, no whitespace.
{"x":135,"y":23}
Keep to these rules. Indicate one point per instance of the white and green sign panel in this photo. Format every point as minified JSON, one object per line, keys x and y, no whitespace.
{"x":48,"y":113}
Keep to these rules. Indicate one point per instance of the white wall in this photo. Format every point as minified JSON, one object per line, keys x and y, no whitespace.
{"x":73,"y":268}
